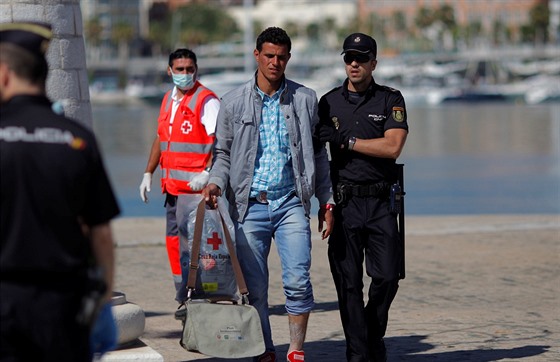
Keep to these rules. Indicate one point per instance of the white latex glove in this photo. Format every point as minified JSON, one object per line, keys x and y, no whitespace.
{"x":146,"y":186}
{"x":199,"y":181}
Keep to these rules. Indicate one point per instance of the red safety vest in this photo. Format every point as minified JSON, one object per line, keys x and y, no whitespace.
{"x":184,"y":152}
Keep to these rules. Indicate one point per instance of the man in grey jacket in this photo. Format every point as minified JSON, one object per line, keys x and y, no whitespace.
{"x":268,"y":166}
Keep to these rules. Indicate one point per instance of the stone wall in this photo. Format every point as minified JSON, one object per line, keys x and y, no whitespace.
{"x":68,"y":80}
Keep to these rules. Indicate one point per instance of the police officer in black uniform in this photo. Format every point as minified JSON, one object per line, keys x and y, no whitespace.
{"x":56,"y":205}
{"x":366,"y":128}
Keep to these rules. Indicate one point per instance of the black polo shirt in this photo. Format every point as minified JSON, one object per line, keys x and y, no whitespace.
{"x":52,"y":180}
{"x":364,"y":116}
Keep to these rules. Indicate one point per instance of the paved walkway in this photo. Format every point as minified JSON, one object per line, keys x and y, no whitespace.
{"x":478,"y":288}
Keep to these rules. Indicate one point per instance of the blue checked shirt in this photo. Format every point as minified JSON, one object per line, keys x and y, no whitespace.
{"x":273,"y":164}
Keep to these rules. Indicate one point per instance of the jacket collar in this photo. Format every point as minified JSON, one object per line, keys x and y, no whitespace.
{"x":283,"y":86}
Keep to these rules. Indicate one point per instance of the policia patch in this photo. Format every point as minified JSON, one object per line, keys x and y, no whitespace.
{"x":398,"y":114}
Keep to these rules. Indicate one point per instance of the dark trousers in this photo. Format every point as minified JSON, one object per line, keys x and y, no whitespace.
{"x":364,"y":228}
{"x":39,"y":324}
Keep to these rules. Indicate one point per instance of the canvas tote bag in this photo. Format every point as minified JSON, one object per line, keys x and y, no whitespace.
{"x":220,"y":328}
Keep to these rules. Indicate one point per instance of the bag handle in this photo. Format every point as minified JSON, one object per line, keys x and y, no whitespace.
{"x":196,"y":251}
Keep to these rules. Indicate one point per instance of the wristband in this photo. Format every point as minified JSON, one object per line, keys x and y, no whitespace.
{"x":327,"y":207}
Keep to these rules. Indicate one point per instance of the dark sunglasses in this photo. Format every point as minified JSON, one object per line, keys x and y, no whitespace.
{"x":358,"y":57}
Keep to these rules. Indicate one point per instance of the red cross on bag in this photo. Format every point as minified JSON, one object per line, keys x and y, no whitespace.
{"x":215,"y":241}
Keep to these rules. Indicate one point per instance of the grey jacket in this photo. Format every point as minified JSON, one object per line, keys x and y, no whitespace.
{"x":237,"y":133}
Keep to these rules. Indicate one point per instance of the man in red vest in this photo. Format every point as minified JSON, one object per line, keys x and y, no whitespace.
{"x":182,"y":148}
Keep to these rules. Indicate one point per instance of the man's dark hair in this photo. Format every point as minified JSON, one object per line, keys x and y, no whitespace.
{"x":25,"y":64}
{"x":182,"y":53}
{"x":275,"y":36}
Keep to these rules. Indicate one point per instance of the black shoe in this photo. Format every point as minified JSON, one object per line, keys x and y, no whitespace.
{"x":378,"y":351}
{"x":181,"y":312}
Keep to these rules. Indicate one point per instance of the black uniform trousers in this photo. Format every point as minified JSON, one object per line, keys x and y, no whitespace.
{"x":39,"y":324}
{"x":364,"y":227}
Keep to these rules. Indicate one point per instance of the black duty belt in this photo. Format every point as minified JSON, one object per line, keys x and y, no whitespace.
{"x":380,"y":189}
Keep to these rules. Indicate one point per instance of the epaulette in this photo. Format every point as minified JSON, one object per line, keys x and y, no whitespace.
{"x":338,"y":88}
{"x":390,"y":89}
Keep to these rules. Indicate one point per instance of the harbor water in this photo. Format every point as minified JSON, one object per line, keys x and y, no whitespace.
{"x":489,"y":158}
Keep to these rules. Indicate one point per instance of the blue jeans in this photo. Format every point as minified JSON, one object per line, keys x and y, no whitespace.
{"x":291,"y":231}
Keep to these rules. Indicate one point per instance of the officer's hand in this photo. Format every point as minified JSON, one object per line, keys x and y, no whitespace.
{"x":146,"y":186}
{"x":103,"y":337}
{"x":332,"y":135}
{"x":211,"y":194}
{"x":199,"y":181}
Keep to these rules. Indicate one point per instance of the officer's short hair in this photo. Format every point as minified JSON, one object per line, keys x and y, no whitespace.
{"x":23,"y":46}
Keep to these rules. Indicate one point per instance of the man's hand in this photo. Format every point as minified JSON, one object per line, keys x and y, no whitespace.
{"x":326,"y":215}
{"x":199,"y":181}
{"x":332,"y":135}
{"x":146,"y":186}
{"x":211,"y":194}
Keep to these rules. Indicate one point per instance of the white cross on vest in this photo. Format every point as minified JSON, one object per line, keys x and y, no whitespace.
{"x":186,"y":127}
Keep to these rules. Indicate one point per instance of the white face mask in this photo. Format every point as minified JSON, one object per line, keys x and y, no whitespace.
{"x":183,"y":81}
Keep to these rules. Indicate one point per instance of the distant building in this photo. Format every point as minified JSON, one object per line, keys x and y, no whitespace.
{"x":391,"y":22}
{"x":511,"y":13}
{"x":302,"y":12}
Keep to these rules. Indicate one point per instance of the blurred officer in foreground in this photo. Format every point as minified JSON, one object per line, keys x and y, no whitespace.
{"x":56,"y":251}
{"x":365,"y":125}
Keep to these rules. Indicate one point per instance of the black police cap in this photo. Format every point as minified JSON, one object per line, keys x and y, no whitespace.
{"x":361,"y":43}
{"x":31,"y":36}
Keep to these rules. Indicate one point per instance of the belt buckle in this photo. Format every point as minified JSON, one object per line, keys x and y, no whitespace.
{"x":261,"y":197}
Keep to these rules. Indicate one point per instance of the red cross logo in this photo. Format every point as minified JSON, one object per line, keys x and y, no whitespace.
{"x":186,"y":127}
{"x":215,"y":241}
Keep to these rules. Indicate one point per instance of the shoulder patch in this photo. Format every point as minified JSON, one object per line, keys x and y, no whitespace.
{"x":389,"y":89}
{"x":398,"y":114}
